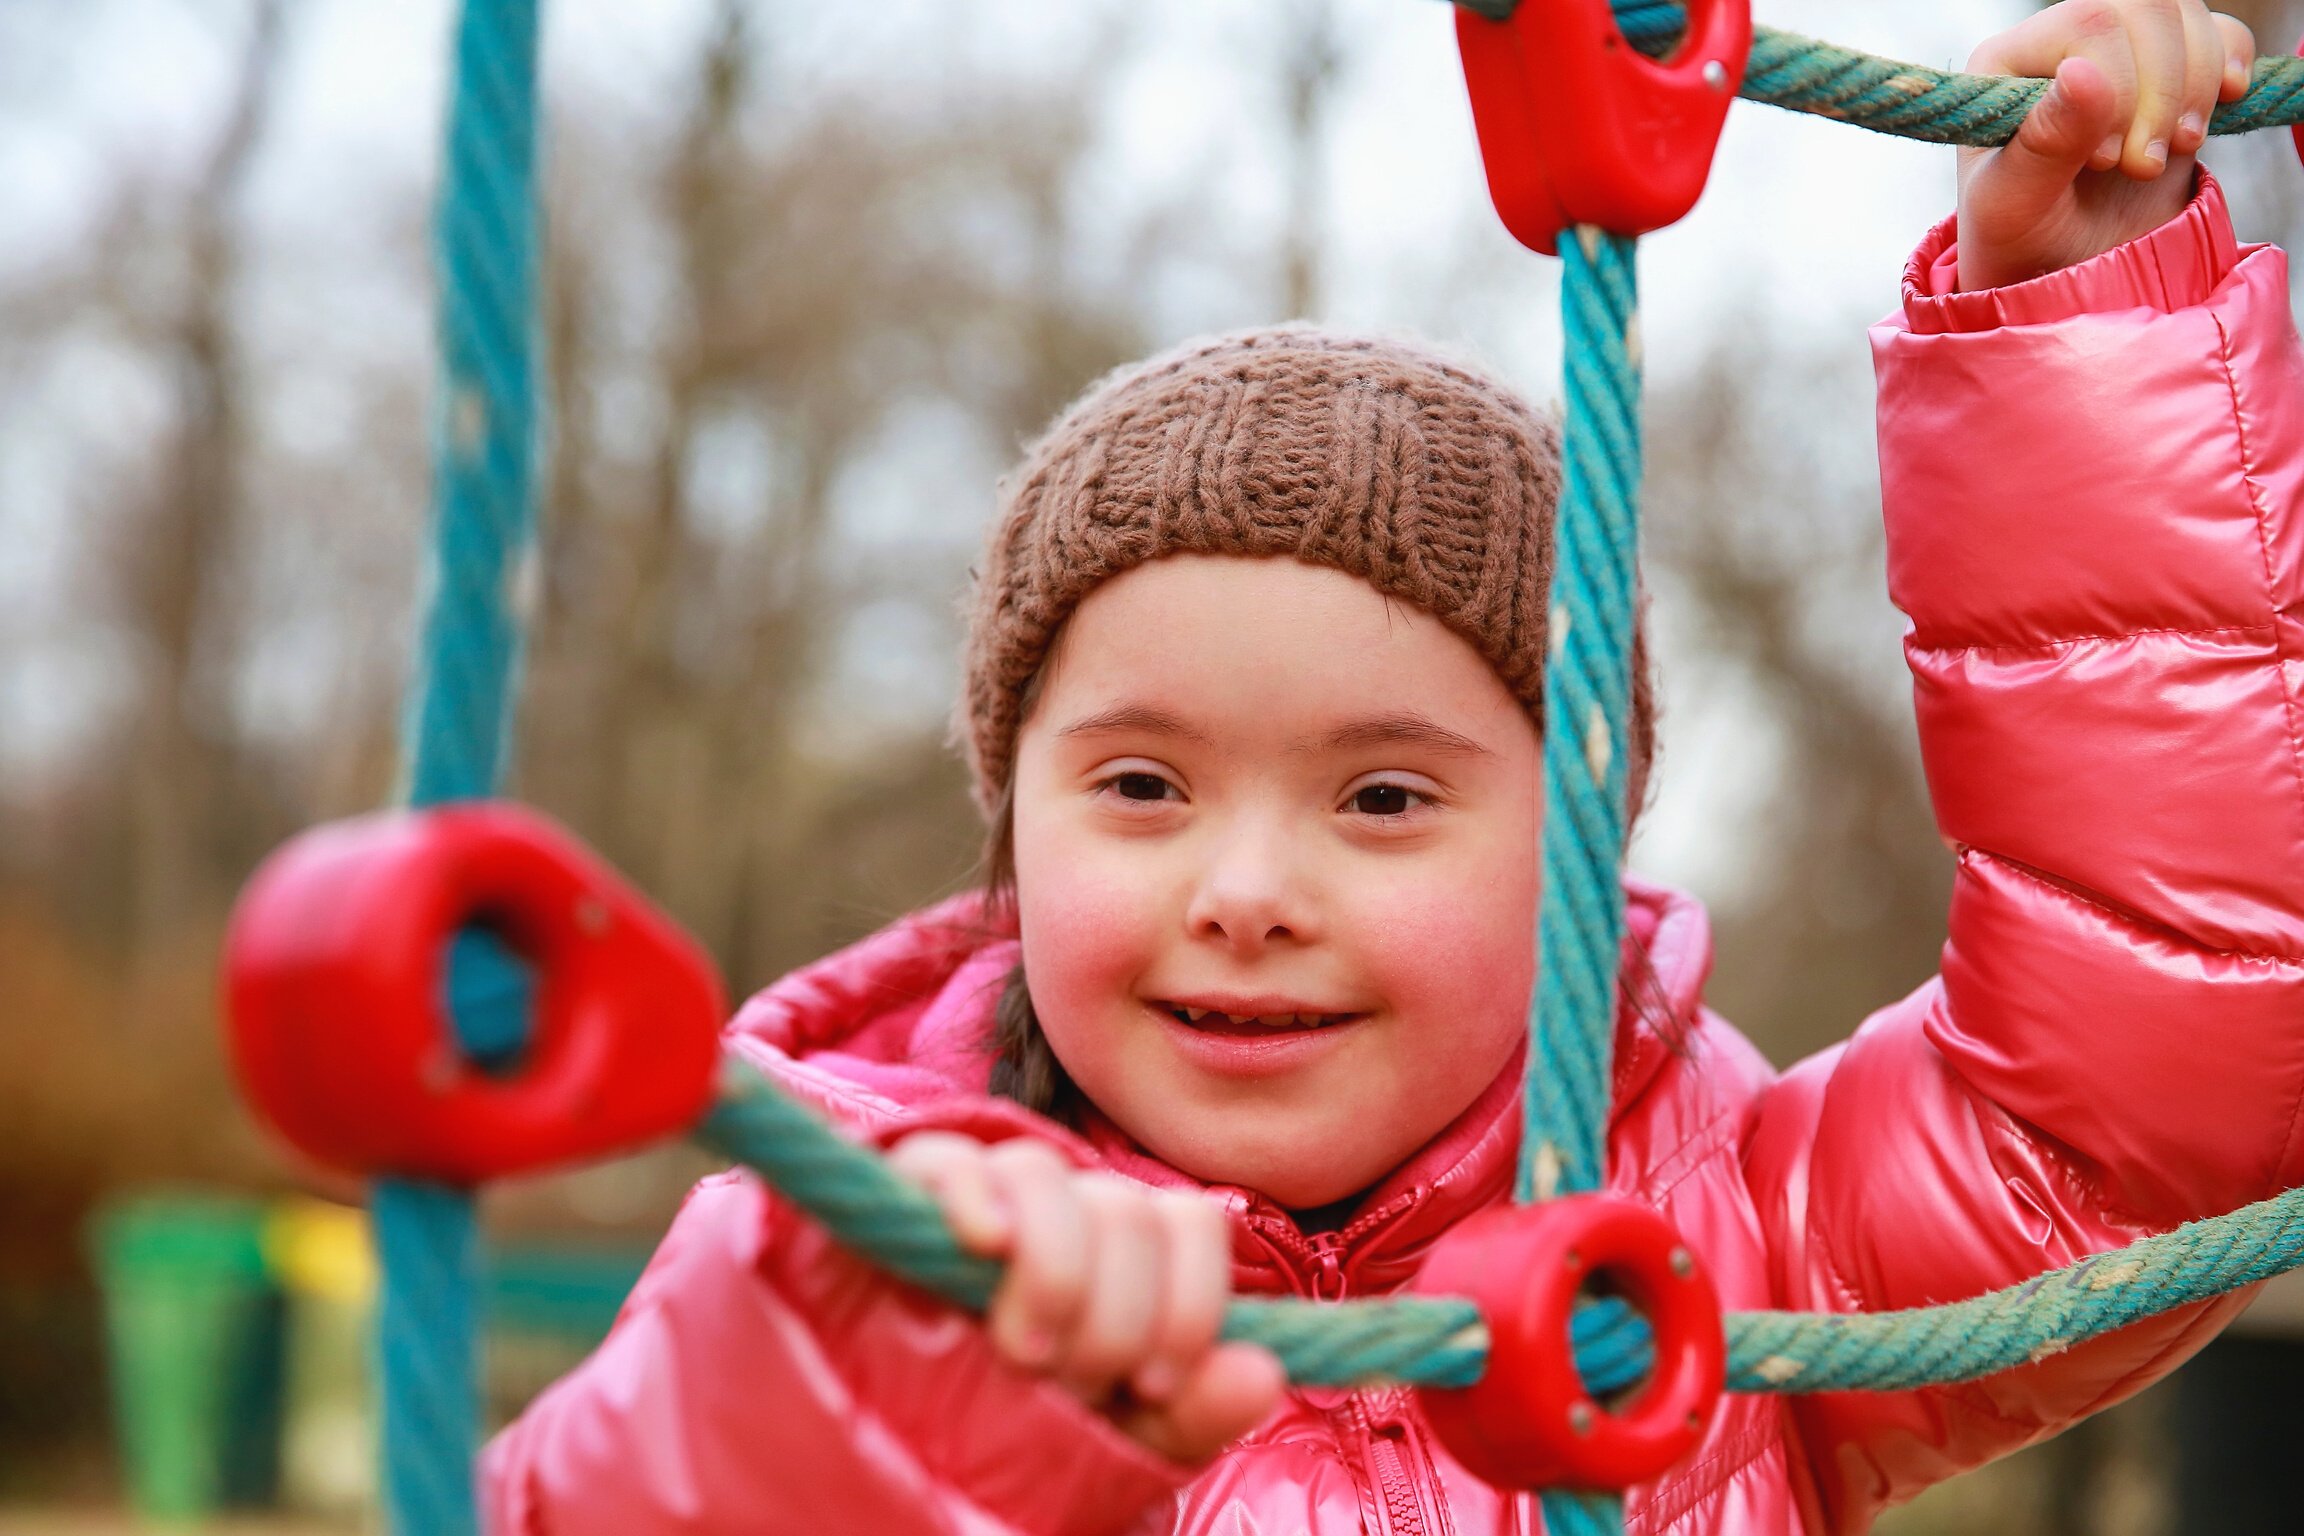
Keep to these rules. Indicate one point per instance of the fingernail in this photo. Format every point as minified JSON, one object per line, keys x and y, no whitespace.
{"x":2157,"y":151}
{"x":1155,"y":1382}
{"x":1032,"y":1346}
{"x":2109,"y":150}
{"x":2189,"y":126}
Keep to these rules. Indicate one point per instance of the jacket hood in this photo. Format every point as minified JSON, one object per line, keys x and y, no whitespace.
{"x":894,"y":1034}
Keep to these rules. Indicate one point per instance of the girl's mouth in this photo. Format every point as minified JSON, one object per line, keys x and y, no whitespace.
{"x":1272,"y":1022}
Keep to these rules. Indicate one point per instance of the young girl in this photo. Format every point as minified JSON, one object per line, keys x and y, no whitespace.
{"x":1252,"y":684}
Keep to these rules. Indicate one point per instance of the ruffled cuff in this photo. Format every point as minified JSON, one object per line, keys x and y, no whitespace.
{"x":2172,"y":268}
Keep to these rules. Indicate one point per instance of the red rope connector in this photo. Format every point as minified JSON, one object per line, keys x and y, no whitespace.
{"x":2296,"y":130}
{"x":335,"y":973}
{"x":1579,"y":127}
{"x":1528,"y":1422}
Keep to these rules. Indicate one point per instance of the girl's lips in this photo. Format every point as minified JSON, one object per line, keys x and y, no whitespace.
{"x":1253,"y":1049}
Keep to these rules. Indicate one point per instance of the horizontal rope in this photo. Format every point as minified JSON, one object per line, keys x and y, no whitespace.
{"x":1912,"y":101}
{"x":1442,"y":1342}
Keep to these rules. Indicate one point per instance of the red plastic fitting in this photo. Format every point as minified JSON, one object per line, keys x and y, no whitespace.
{"x":1528,"y":1422}
{"x":2295,"y":130}
{"x":1579,"y":127}
{"x":335,"y":971}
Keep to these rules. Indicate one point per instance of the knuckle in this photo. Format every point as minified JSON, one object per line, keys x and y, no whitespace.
{"x":1200,"y":1223}
{"x":1027,"y":1154}
{"x":1050,"y":1281}
{"x":926,"y":1152}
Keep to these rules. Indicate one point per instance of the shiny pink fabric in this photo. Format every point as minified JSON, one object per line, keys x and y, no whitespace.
{"x":2091,"y":484}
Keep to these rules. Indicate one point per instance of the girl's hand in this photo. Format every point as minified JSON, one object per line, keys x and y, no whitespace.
{"x":1114,"y":1289}
{"x":2107,"y":154}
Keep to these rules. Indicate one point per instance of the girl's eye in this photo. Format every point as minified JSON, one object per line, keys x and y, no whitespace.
{"x":1384,"y":800}
{"x":1139,"y":786}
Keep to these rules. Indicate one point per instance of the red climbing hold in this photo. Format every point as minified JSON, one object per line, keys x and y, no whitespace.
{"x":1528,"y":1422}
{"x":1579,"y":127}
{"x":336,"y":993}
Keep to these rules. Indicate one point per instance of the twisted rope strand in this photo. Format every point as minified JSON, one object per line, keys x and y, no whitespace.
{"x":454,"y":724}
{"x":1910,"y":101}
{"x":1439,"y":1341}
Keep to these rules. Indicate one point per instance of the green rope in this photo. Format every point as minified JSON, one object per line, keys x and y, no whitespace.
{"x":1442,"y":1342}
{"x":1911,"y":101}
{"x":1939,"y":106}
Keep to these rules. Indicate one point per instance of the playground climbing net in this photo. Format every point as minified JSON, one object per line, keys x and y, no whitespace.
{"x":1586,"y":1396}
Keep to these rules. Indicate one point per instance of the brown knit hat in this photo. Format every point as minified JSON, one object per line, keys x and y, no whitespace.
{"x":1418,"y":474}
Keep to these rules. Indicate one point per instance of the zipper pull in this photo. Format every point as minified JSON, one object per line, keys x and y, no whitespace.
{"x":1328,"y":1270}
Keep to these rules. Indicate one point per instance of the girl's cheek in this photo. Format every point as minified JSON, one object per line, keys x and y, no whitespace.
{"x":1085,"y":924}
{"x":1456,"y":964}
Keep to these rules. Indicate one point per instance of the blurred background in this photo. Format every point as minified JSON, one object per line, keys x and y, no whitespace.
{"x":815,"y":273}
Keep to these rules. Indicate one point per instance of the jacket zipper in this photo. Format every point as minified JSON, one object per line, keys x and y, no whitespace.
{"x":1318,"y":1261}
{"x":1389,"y":1457}
{"x":1327,"y":1274}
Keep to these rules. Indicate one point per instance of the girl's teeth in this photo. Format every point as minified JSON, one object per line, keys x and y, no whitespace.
{"x":1193,"y":1015}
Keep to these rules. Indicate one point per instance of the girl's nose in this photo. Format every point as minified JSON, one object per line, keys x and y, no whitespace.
{"x":1249,"y":896}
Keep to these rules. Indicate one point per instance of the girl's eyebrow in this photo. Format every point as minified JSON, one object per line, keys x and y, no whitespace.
{"x":1145,"y":718}
{"x":1404,"y":729}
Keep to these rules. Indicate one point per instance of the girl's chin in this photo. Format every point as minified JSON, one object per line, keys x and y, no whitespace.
{"x":1300,"y":1162}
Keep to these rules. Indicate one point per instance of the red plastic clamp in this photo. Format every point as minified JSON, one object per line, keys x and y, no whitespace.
{"x":1528,"y":1422}
{"x":335,"y":971}
{"x":2296,"y":130}
{"x":1579,"y":127}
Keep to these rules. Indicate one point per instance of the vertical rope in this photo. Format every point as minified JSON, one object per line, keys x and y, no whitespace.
{"x":427,"y":1338}
{"x":1587,"y":700}
{"x":1587,"y":704}
{"x":456,"y":719}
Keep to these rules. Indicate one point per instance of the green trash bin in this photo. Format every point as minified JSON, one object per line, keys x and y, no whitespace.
{"x":193,"y":1321}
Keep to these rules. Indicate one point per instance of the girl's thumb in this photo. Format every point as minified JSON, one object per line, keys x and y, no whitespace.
{"x":2074,"y":116}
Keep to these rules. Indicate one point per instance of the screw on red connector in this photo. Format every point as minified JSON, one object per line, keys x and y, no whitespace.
{"x":1579,"y":127}
{"x":1528,"y":1422}
{"x":336,"y":998}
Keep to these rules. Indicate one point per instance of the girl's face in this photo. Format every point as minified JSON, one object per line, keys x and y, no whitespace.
{"x":1276,"y":869}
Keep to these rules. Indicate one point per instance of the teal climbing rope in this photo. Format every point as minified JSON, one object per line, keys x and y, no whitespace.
{"x":1587,"y":705}
{"x":1441,"y":1342}
{"x":1910,"y":101}
{"x":455,"y":725}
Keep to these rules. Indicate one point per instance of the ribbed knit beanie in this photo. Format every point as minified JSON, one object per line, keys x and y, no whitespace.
{"x":1412,"y":471}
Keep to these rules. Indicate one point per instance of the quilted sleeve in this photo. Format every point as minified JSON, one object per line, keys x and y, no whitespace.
{"x":2091,"y":489}
{"x":760,"y":1379}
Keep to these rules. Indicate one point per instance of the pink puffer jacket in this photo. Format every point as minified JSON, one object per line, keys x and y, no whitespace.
{"x":2092,"y":492}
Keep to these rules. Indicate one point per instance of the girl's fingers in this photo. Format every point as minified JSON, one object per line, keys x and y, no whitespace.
{"x":953,"y":1169}
{"x":2061,"y":136}
{"x":2156,"y":38}
{"x":1232,"y":1390}
{"x":1115,"y":1328}
{"x":2203,"y":78}
{"x":2043,"y":43}
{"x":1198,"y":1275}
{"x":1040,"y":1299}
{"x":2239,"y":45}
